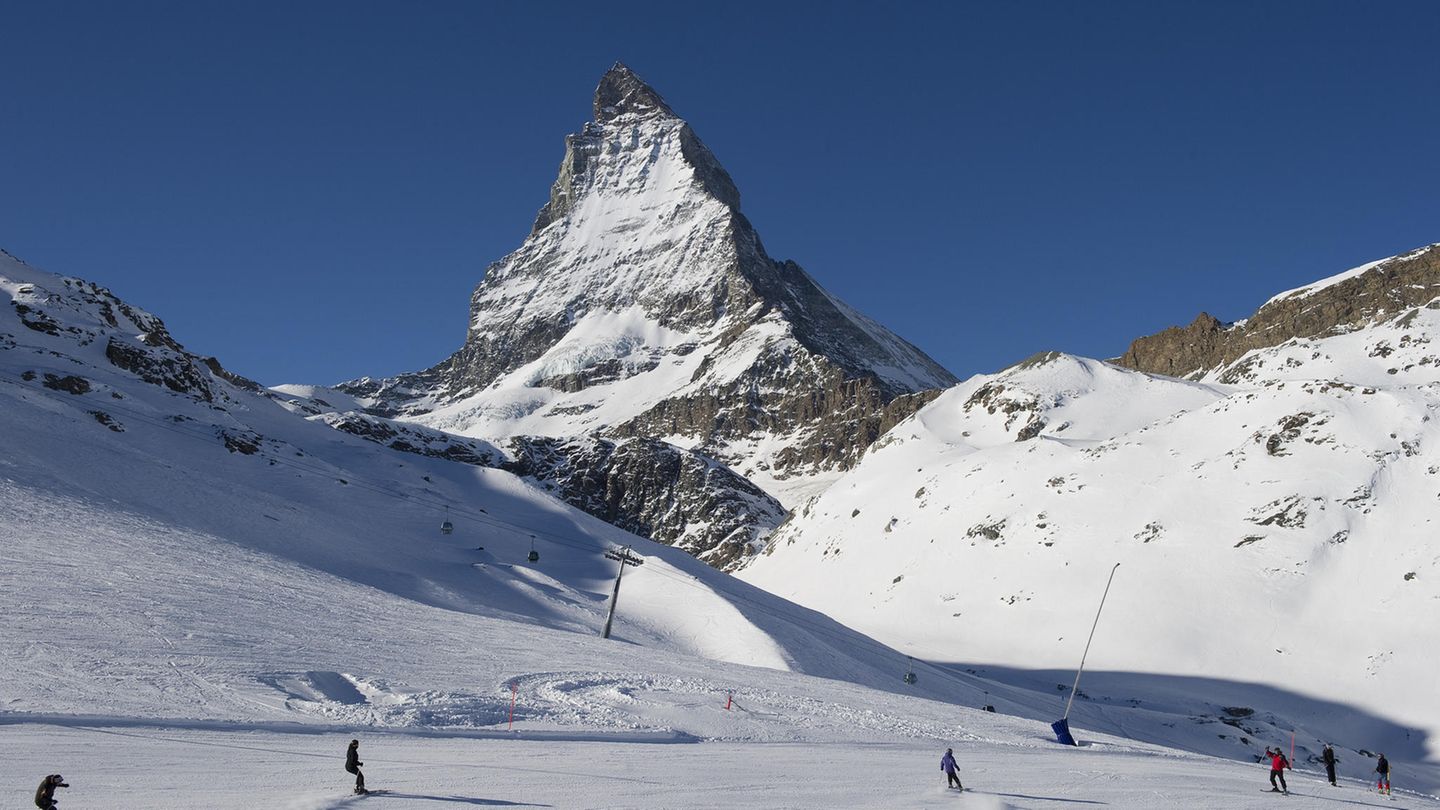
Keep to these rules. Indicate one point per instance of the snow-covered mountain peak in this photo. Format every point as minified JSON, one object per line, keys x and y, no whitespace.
{"x":621,"y":92}
{"x":643,"y":304}
{"x":634,"y":147}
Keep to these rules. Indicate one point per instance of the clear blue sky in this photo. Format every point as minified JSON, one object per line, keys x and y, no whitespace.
{"x":311,"y":190}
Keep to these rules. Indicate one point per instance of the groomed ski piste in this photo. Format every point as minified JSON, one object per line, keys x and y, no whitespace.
{"x":206,"y":596}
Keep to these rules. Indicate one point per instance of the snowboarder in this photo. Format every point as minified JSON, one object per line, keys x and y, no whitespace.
{"x":947,"y":764}
{"x":45,"y":794}
{"x":1278,"y":764}
{"x":352,"y":765}
{"x":1382,"y":784}
{"x":1328,"y":757}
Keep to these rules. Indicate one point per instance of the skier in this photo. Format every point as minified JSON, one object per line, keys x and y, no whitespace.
{"x":1328,"y":756}
{"x":45,"y":794}
{"x":1278,"y":764}
{"x":352,"y":765}
{"x":947,"y":764}
{"x":1382,"y":784}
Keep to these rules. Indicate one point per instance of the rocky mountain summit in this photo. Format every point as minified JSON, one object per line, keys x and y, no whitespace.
{"x":643,"y":311}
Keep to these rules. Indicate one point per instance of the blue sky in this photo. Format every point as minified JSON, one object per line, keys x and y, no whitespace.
{"x":311,"y":190}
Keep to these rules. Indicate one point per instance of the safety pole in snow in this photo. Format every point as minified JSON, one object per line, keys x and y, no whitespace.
{"x":514,"y":688}
{"x":623,"y":557}
{"x":1062,"y":728}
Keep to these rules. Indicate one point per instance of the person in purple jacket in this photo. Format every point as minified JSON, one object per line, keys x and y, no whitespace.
{"x":947,"y":764}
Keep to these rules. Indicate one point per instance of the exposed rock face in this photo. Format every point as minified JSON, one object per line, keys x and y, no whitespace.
{"x":643,"y":306}
{"x":1366,"y":295}
{"x":88,"y":317}
{"x":415,"y":439}
{"x":642,"y":485}
{"x":655,"y":489}
{"x":834,"y":421}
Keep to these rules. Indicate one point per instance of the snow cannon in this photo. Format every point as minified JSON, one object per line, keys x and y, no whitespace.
{"x":1062,"y":732}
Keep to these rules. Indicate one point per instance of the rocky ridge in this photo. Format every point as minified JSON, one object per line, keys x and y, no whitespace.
{"x":84,"y":323}
{"x":1369,"y":294}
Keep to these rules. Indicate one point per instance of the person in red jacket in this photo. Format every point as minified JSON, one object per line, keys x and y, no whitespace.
{"x":1278,"y":764}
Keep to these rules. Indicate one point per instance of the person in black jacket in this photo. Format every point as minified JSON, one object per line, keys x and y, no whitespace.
{"x":353,"y":763}
{"x":1328,"y":756}
{"x":1383,"y":768}
{"x":45,"y":794}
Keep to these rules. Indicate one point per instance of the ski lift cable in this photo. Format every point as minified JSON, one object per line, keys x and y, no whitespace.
{"x":486,"y":518}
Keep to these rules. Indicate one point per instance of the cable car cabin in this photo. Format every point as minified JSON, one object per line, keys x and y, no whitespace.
{"x":447,"y":527}
{"x":534,"y":556}
{"x":909,"y":677}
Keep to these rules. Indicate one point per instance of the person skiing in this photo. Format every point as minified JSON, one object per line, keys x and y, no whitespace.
{"x":352,"y":765}
{"x":1278,"y":764}
{"x":45,"y":794}
{"x":947,"y":764}
{"x":1328,"y":757}
{"x":1382,"y":784}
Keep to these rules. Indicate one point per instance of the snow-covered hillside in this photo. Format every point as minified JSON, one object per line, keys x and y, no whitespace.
{"x":1276,"y":529}
{"x":108,"y":420}
{"x":198,"y":580}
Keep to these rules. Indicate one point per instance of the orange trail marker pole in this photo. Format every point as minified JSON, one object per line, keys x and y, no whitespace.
{"x":513,"y":689}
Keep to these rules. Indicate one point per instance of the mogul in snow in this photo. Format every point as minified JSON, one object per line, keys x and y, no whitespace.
{"x":352,"y":765}
{"x":947,"y":764}
{"x":1278,"y":764}
{"x":1328,"y":757}
{"x":45,"y":794}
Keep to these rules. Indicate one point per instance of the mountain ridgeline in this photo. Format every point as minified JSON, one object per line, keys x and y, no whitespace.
{"x":1377,"y":291}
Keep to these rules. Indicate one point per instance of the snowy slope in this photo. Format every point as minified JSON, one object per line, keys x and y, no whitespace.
{"x":1278,"y":532}
{"x":215,"y":477}
{"x":199,"y":580}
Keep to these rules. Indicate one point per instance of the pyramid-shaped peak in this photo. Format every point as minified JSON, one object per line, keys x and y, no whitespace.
{"x":622,"y":92}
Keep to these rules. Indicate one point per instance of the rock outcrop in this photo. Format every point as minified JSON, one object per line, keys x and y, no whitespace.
{"x":654,"y":489}
{"x":1368,"y":294}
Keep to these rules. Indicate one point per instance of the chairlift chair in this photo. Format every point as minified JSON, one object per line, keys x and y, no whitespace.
{"x":447,"y":527}
{"x":910,"y":672}
{"x":533,"y":556}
